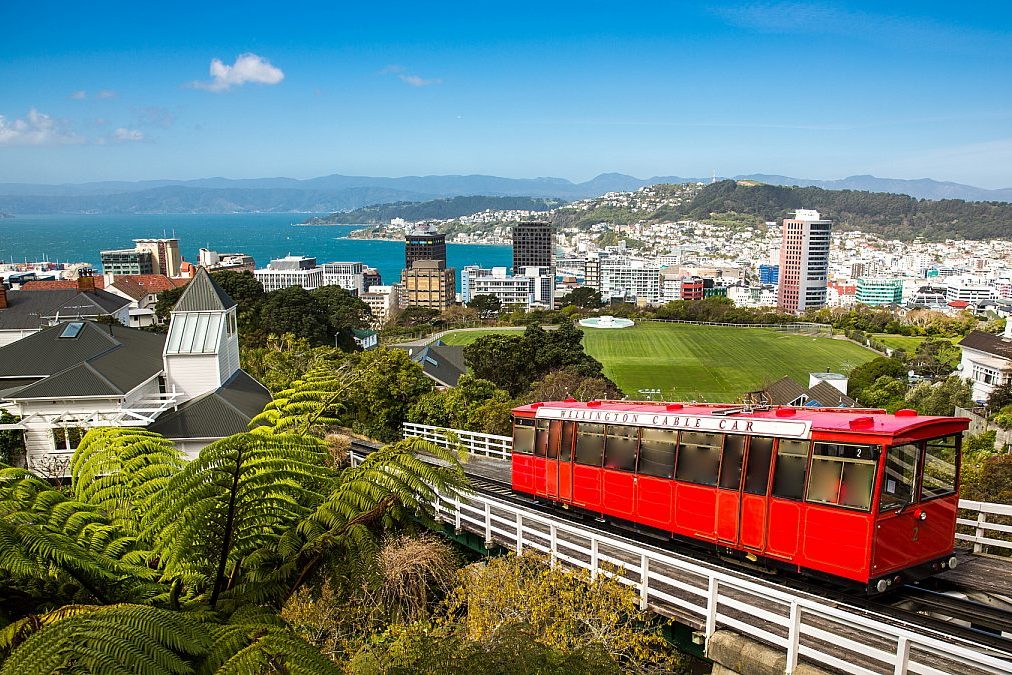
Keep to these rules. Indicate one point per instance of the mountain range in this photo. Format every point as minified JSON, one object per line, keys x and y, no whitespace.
{"x":343,"y":193}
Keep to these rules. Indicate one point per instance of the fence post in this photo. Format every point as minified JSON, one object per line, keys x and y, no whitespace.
{"x":553,"y":543}
{"x":488,"y":525}
{"x":593,"y":557}
{"x":644,"y":580}
{"x":711,"y":608}
{"x":902,"y":656}
{"x":793,"y":638}
{"x":456,"y":518}
{"x":978,"y":546}
{"x":520,"y":533}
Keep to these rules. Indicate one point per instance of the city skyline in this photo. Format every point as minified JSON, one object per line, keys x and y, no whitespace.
{"x":820,"y":90}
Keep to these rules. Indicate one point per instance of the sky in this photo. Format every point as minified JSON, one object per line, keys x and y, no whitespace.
{"x":132,"y":91}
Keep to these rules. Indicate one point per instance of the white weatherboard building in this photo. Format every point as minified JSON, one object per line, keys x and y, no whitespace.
{"x":986,"y":360}
{"x":76,"y":375}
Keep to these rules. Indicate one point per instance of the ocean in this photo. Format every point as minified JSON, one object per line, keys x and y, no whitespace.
{"x":79,"y":238}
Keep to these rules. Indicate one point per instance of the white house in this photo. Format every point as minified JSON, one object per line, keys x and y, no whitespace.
{"x":986,"y":360}
{"x":186,"y":385}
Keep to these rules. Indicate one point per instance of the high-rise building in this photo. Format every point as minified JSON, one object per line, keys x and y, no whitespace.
{"x":769,"y":274}
{"x":532,"y":244}
{"x":424,"y":244}
{"x":531,"y":287}
{"x":164,"y":255}
{"x":429,"y":284}
{"x":127,"y":261}
{"x":383,"y":302}
{"x":804,"y":262}
{"x":347,"y":275}
{"x":371,"y":277}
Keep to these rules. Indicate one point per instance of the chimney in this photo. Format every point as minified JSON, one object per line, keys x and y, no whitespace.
{"x":86,"y":282}
{"x":3,"y":296}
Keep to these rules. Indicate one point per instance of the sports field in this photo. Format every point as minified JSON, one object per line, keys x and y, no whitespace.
{"x":706,"y":363}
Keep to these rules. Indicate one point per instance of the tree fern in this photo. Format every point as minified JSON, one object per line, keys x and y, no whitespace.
{"x":120,"y":469}
{"x":113,"y":639}
{"x":239,"y":495}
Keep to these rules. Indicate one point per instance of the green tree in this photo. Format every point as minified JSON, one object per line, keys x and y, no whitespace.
{"x":474,"y":404}
{"x":242,"y":287}
{"x":293,"y":310}
{"x":935,"y":358}
{"x":412,"y":317}
{"x":885,"y":392}
{"x":941,"y":398}
{"x":584,"y":296}
{"x":866,"y":374}
{"x":565,"y":382}
{"x":345,"y":313}
{"x":487,"y":306}
{"x":166,"y":301}
{"x":283,"y":359}
{"x":12,"y":442}
{"x":1000,"y":397}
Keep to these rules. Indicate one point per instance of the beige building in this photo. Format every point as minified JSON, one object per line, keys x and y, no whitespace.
{"x":383,"y":301}
{"x":165,"y":256}
{"x":429,"y":284}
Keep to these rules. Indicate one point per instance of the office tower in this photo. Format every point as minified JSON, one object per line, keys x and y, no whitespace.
{"x":429,"y":284}
{"x":424,"y":244}
{"x":804,"y":262}
{"x":532,"y":245}
{"x":165,"y":256}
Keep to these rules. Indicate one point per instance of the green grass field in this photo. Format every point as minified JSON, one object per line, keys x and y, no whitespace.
{"x":706,"y":363}
{"x":905,"y":342}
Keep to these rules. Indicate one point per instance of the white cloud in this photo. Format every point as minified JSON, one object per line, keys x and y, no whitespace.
{"x":248,"y":67}
{"x":128,"y":135}
{"x":407,"y":78}
{"x":106,"y":93}
{"x":79,"y":95}
{"x":35,"y":128}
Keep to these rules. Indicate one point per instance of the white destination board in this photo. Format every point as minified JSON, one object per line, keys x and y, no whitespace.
{"x":731,"y":424}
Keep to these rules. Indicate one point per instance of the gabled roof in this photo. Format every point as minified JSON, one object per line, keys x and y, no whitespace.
{"x":784,"y":391}
{"x":441,"y":362}
{"x":787,"y":391}
{"x":31,"y":309}
{"x":137,"y":286}
{"x":203,"y":295}
{"x":828,"y":396}
{"x":222,"y":412}
{"x":100,"y":361}
{"x":987,"y":343}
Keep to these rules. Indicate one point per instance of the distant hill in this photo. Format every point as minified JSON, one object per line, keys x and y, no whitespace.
{"x":890,"y":215}
{"x":922,"y":188}
{"x":437,"y":209}
{"x":343,"y":193}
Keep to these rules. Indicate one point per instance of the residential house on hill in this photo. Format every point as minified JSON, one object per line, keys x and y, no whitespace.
{"x":986,"y":360}
{"x":26,"y":312}
{"x":76,"y":375}
{"x":819,"y":394}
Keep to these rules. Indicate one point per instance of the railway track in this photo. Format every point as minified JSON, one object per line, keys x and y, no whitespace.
{"x":912,"y":604}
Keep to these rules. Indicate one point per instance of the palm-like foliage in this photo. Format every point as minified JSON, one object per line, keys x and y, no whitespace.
{"x":198,"y":555}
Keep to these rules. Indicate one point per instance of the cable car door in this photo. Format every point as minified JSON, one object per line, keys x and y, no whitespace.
{"x":566,"y":461}
{"x":755,"y":488}
{"x":552,"y":461}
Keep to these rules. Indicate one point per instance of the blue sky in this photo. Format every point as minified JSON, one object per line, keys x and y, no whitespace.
{"x":106,"y":90}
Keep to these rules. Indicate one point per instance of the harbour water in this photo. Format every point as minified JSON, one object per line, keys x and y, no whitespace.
{"x":79,"y":238}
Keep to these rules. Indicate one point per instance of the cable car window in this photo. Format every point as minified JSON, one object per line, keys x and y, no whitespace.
{"x":792,"y":466}
{"x":900,"y":476}
{"x":523,"y":436}
{"x":566,"y":450}
{"x":940,"y":459}
{"x":554,"y":438}
{"x":730,"y":466}
{"x":757,"y":475}
{"x":657,"y":452}
{"x":540,"y":438}
{"x":589,"y":444}
{"x":698,"y":457}
{"x":843,"y":475}
{"x":620,"y":448}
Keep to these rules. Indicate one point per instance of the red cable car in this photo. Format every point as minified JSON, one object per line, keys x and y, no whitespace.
{"x":859,"y":495}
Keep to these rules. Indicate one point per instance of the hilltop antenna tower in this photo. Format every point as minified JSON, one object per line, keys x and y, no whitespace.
{"x":713,"y":179}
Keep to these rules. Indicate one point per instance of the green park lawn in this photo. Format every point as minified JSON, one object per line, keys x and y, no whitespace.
{"x":706,"y":363}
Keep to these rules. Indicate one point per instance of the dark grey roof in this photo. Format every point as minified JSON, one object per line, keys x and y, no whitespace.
{"x":203,"y":295}
{"x":828,"y":396}
{"x":31,"y":309}
{"x":216,"y":414}
{"x":100,"y":361}
{"x":441,"y":362}
{"x":784,"y":391}
{"x":987,"y":343}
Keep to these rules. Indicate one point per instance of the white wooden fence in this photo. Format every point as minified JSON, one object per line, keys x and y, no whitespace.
{"x":981,"y":527}
{"x":806,"y":627}
{"x":489,"y":445}
{"x":500,"y":447}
